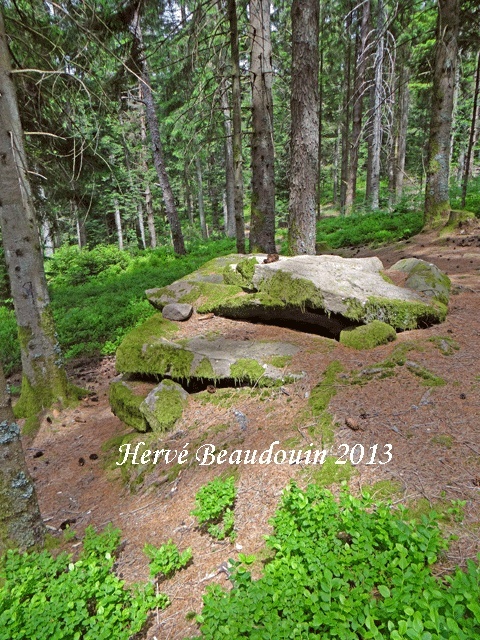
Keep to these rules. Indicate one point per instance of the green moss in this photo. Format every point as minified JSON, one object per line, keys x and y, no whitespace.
{"x":324,"y":391}
{"x":144,"y":351}
{"x":444,"y":440}
{"x":167,"y":408}
{"x":400,"y":314}
{"x":125,"y":404}
{"x":456,"y":219}
{"x":242,"y":275}
{"x":323,"y":429}
{"x":446,"y":346}
{"x":329,"y":473}
{"x":215,"y":295}
{"x":205,"y":370}
{"x":426,"y":278}
{"x":280,"y":361}
{"x":368,"y":336}
{"x":429,"y":379}
{"x":386,"y":278}
{"x":283,"y":289}
{"x":386,"y":489}
{"x":246,"y":370}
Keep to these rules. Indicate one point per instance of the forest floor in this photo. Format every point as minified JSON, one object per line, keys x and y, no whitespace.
{"x":434,"y":432}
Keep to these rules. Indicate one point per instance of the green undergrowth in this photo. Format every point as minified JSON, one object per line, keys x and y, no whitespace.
{"x":98,"y":296}
{"x":319,"y":400}
{"x":350,"y":569}
{"x":214,"y":505}
{"x":49,"y":598}
{"x":371,"y":228}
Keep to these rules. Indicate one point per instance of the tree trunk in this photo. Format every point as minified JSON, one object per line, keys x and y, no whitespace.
{"x":403,"y":103}
{"x":21,"y":524}
{"x":345,"y":163}
{"x":213,"y":193}
{"x":262,"y":221}
{"x":44,"y":379}
{"x":47,"y":239}
{"x":437,"y":201}
{"x":358,"y":93}
{"x":237,"y":127}
{"x":147,"y":192}
{"x":377,"y":110}
{"x":157,"y":149}
{"x":118,"y":224}
{"x":79,"y":224}
{"x":305,"y":131}
{"x":471,"y":138}
{"x":201,"y":209}
{"x":229,"y":169}
{"x":141,"y":226}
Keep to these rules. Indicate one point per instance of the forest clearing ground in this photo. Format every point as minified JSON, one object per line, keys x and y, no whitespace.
{"x":434,"y":433}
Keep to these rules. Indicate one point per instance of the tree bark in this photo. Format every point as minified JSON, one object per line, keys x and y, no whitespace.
{"x":262,"y":221}
{"x":237,"y":127}
{"x":44,"y":380}
{"x":201,"y":208}
{"x":437,"y":201}
{"x":229,"y":168}
{"x":347,"y":112}
{"x":358,"y":93}
{"x":471,"y":137}
{"x":21,"y":524}
{"x":377,"y":132}
{"x":147,"y":192}
{"x":118,"y":224}
{"x":305,"y":128}
{"x":157,"y":148}
{"x":403,"y":103}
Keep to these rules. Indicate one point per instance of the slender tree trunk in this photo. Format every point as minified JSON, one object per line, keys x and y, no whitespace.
{"x":471,"y":138}
{"x":403,"y":104}
{"x":320,"y":120}
{"x":305,"y":132}
{"x":47,"y":239}
{"x":213,"y":193}
{"x":237,"y":127}
{"x":44,"y":379}
{"x":141,"y":226}
{"x":118,"y":224}
{"x":157,"y":148}
{"x":262,"y":221}
{"x":377,"y":109}
{"x":147,"y":192}
{"x":188,"y":194}
{"x":79,"y":224}
{"x":358,"y":93}
{"x":21,"y":524}
{"x":345,"y":163}
{"x":201,"y":209}
{"x":437,"y":201}
{"x":229,"y":169}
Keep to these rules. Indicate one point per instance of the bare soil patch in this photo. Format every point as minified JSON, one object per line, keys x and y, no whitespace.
{"x":434,"y":433}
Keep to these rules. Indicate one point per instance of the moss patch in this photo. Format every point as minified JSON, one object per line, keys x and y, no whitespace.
{"x":330,"y":473}
{"x":164,"y":405}
{"x":242,"y":275}
{"x":247,"y":370}
{"x":324,"y":391}
{"x":400,"y":314}
{"x":386,"y":489}
{"x":125,"y":404}
{"x":429,"y":379}
{"x":368,"y":336}
{"x":283,"y":289}
{"x":205,"y":370}
{"x":280,"y":361}
{"x":446,"y":346}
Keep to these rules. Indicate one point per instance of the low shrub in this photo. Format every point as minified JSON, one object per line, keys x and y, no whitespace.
{"x":350,"y":569}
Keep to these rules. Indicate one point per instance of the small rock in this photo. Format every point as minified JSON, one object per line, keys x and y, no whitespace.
{"x":177,"y":311}
{"x":238,"y":547}
{"x":241,"y":419}
{"x":352,"y":424}
{"x":211,"y":388}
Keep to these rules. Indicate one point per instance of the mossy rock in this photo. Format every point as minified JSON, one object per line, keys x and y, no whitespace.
{"x":125,"y":403}
{"x":368,"y":336}
{"x":164,"y":405}
{"x":426,"y":278}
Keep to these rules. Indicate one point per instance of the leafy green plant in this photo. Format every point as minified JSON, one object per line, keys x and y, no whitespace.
{"x":166,"y":559}
{"x":9,"y":345}
{"x":214,"y":507}
{"x":350,"y":569}
{"x":49,"y":598}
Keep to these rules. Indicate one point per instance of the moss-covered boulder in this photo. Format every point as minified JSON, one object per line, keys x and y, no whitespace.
{"x":125,"y":398}
{"x":164,"y":405}
{"x":146,"y":351}
{"x":424,"y":277}
{"x":368,"y":336}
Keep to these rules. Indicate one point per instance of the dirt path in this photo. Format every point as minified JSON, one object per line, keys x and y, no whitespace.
{"x":434,"y":434}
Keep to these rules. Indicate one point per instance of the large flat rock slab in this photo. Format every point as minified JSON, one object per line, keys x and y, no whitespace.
{"x":327,"y":291}
{"x":148,"y":351}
